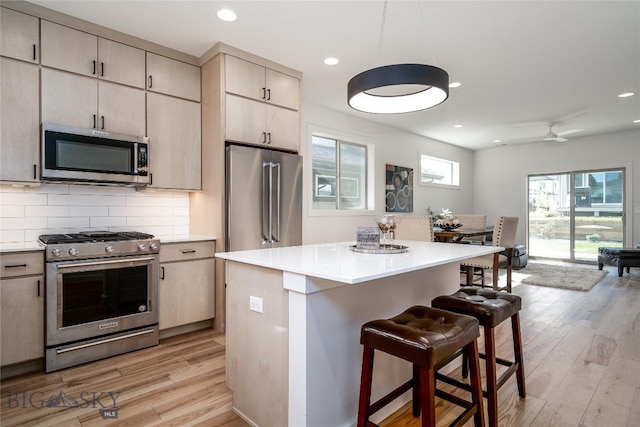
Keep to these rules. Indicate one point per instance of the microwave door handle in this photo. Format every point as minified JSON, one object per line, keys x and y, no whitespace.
{"x":136,"y":153}
{"x":265,"y":203}
{"x":275,"y":231}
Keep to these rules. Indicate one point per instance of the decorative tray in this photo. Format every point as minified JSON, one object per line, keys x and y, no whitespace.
{"x":449,"y":227}
{"x":383,"y":249}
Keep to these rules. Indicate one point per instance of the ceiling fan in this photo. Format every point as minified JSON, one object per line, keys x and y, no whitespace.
{"x":558,"y":137}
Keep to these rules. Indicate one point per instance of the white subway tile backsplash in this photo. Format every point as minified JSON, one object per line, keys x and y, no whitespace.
{"x":108,"y":221}
{"x":26,"y":213}
{"x":77,"y":222}
{"x":11,"y":211}
{"x":46,"y":211}
{"x":88,"y":211}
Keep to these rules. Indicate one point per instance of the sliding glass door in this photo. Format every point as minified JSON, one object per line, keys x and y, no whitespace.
{"x":572,"y":214}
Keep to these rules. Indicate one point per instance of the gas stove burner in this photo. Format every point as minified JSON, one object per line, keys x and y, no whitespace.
{"x":93,"y":236}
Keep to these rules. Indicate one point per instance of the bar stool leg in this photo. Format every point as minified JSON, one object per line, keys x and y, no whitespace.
{"x":428,"y":401}
{"x":365,"y":387}
{"x":517,"y":351}
{"x":492,"y":390}
{"x":476,"y":382}
{"x":416,"y":391}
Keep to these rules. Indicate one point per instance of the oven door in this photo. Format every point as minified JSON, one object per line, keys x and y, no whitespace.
{"x":91,"y":298}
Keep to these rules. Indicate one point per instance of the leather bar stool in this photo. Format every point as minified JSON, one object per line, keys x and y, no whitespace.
{"x":426,"y":337}
{"x":490,"y":308}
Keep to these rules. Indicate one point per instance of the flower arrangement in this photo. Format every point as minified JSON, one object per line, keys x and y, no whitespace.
{"x":445,"y":219}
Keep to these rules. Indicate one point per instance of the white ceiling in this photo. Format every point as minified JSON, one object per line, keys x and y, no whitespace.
{"x":521,"y":63}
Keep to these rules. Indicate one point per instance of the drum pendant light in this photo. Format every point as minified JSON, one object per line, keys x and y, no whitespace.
{"x":400,"y":88}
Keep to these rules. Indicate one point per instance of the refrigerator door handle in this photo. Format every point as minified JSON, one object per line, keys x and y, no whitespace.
{"x":275,"y":231}
{"x":266,"y":202}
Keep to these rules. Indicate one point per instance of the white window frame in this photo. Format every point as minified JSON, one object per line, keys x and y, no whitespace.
{"x":324,"y":132}
{"x":455,"y":165}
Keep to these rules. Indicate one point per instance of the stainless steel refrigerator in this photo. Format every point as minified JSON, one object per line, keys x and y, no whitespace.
{"x":264,"y":198}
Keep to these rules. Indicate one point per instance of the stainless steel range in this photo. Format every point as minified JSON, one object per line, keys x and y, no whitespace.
{"x":101,"y":295}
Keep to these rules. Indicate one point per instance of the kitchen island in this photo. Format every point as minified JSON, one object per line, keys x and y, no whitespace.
{"x":293,"y":324}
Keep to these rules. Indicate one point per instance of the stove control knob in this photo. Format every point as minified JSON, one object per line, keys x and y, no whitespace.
{"x":141,"y":246}
{"x":108,"y":248}
{"x":73,"y":251}
{"x":56,"y":252}
{"x":153,"y":246}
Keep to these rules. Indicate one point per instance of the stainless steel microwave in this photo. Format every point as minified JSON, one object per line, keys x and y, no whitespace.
{"x":91,"y":155}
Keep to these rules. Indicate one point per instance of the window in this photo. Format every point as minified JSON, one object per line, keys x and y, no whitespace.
{"x":439,"y":171}
{"x":339,"y":174}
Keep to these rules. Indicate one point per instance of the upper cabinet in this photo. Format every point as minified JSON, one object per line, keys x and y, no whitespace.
{"x":82,"y":53}
{"x":20,"y":118}
{"x":171,"y":77}
{"x":262,"y":84}
{"x":19,"y":36}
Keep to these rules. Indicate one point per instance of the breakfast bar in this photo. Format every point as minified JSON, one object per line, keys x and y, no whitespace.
{"x":293,"y":324}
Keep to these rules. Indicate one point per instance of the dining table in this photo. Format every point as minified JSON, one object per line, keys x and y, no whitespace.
{"x":456,"y":235}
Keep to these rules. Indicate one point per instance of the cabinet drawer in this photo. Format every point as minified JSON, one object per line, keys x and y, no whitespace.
{"x":22,"y":264}
{"x":186,"y":251}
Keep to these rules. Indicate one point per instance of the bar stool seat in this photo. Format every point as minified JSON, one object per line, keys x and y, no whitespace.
{"x":490,"y":308}
{"x":426,"y":337}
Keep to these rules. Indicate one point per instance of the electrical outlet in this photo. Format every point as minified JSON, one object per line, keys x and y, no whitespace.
{"x":255,"y":304}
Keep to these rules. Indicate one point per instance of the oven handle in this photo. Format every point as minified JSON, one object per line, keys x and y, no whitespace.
{"x":91,"y":344}
{"x":103,"y":262}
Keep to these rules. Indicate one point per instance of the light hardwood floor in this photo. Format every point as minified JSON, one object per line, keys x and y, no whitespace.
{"x":582,"y":364}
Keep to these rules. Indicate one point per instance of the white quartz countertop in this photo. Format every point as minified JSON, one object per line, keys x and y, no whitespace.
{"x":335,"y":261}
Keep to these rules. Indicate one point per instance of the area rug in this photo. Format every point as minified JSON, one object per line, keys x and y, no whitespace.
{"x":552,"y":276}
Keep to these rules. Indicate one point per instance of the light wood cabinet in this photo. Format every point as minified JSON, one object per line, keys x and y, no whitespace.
{"x":254,"y":122}
{"x":173,"y":128}
{"x":186,"y":286}
{"x":83,"y":102}
{"x":19,"y":35}
{"x":171,"y":77}
{"x":22,"y":307}
{"x":68,"y":49}
{"x":261,"y":105}
{"x":20,"y":121}
{"x":254,"y":81}
{"x":83,"y":53}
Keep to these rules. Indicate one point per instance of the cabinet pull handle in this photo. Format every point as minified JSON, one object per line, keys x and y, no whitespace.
{"x":268,"y":137}
{"x":161,"y":273}
{"x":150,"y":82}
{"x":94,"y":67}
{"x":268,"y":94}
{"x":34,"y":52}
{"x":102,"y":69}
{"x":38,"y":287}
{"x":150,"y":179}
{"x":35,"y":171}
{"x":15,"y":265}
{"x":102,"y":119}
{"x":264,"y":93}
{"x":94,"y":122}
{"x":188,"y":251}
{"x":264,"y":137}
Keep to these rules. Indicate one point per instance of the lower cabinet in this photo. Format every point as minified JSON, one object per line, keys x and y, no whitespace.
{"x":187,"y":283}
{"x":22,"y":308}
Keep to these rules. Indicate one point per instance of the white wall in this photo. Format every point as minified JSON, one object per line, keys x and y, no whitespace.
{"x":500,"y":174}
{"x":26,"y":212}
{"x":392,"y":146}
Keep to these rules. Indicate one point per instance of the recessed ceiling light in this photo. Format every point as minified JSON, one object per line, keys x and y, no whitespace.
{"x":636,"y":121}
{"x":455,"y":84}
{"x":227,"y":15}
{"x":626,"y":95}
{"x":331,"y":61}
{"x":497,"y":140}
{"x":458,"y":126}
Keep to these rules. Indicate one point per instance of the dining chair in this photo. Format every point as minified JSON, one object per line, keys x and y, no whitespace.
{"x":415,"y":227}
{"x":504,"y":234}
{"x":474,"y":222}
